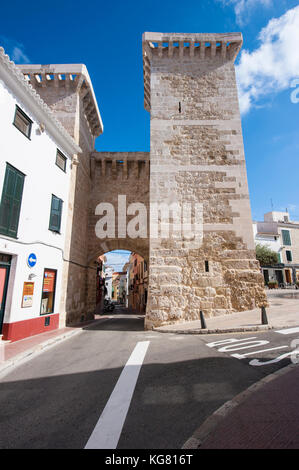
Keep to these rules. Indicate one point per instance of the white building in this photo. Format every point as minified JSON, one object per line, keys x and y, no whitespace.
{"x":108,"y":281}
{"x":35,"y":159}
{"x":281,"y":235}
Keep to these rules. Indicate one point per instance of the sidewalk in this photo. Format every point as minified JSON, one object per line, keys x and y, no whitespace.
{"x":13,"y":353}
{"x":283,"y":311}
{"x":266,"y":416}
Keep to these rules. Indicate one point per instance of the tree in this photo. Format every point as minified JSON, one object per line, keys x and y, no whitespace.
{"x":265,"y":255}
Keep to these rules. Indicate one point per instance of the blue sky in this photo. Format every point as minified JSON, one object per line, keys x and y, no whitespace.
{"x":106,"y":36}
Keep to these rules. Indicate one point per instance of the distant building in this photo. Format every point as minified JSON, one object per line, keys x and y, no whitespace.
{"x":138,"y":283}
{"x":108,"y":281}
{"x":281,"y":235}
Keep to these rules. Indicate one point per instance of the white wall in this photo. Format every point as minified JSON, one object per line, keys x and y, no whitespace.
{"x":36,"y":159}
{"x":267,"y":240}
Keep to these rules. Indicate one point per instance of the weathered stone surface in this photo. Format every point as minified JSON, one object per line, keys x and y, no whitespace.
{"x":197,"y":155}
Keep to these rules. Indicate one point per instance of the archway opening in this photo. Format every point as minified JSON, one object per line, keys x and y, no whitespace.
{"x":121,"y":283}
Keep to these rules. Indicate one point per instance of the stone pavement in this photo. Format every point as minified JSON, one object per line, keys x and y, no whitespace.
{"x":283,"y":311}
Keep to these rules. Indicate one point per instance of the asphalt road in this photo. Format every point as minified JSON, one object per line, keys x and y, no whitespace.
{"x":55,"y":400}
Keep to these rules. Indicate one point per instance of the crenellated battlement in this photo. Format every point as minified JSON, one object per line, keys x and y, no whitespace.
{"x":120,"y":165}
{"x":56,"y":80}
{"x":181,"y":46}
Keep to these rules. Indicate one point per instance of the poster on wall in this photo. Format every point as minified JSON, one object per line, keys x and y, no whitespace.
{"x":27,"y":298}
{"x":49,"y":281}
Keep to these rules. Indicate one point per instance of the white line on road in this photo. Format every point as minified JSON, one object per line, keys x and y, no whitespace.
{"x":252,"y":353}
{"x":108,"y":429}
{"x":288,"y":331}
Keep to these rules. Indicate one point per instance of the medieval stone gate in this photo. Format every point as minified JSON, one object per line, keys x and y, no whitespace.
{"x":196,"y":155}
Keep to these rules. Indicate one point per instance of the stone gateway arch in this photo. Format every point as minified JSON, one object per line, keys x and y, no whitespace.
{"x":196,"y":157}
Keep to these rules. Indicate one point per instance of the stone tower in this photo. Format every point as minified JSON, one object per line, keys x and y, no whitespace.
{"x":197,"y":155}
{"x":68,"y":90}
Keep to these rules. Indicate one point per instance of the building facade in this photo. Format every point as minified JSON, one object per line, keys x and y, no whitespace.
{"x":35,"y":172}
{"x":138,"y":283}
{"x":67,"y":89}
{"x":281,"y":235}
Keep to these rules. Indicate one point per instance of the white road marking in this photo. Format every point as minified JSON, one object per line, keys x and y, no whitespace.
{"x":257,"y":362}
{"x":288,"y":331}
{"x":108,"y":429}
{"x":243,"y":345}
{"x":233,"y":344}
{"x":228,"y":341}
{"x":242,"y":356}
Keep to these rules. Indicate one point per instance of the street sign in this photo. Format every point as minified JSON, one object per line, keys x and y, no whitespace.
{"x":31,"y":260}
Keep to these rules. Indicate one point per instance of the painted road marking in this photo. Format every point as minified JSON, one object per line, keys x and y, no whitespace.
{"x":242,"y":356}
{"x":233,"y":344}
{"x":288,"y":331}
{"x":108,"y":429}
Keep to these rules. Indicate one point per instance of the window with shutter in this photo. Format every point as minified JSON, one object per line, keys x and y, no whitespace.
{"x":286,"y":239}
{"x":61,"y":160}
{"x":11,"y":201}
{"x":55,"y":215}
{"x":22,"y":122}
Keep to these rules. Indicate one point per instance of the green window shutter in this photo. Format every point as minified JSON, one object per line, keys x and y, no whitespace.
{"x":286,"y":239}
{"x":11,"y":201}
{"x":289,"y":255}
{"x":55,"y":216}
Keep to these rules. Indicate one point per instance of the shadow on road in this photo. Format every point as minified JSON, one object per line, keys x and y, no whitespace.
{"x":170,"y":401}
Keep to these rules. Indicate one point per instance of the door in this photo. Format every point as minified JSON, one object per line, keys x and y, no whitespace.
{"x":4,"y":274}
{"x":279,"y":276}
{"x":266,"y":276}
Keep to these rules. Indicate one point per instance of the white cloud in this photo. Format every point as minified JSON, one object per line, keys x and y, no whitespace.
{"x":15,"y":50}
{"x":243,"y":8}
{"x":19,"y":56}
{"x":273,"y":65}
{"x":117,"y":259}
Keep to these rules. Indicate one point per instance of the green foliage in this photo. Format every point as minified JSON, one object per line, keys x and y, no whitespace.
{"x":265,"y":255}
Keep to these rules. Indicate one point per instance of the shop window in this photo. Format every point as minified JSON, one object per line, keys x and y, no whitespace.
{"x":48,"y":292}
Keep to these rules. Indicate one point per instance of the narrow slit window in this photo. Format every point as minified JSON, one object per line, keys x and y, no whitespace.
{"x":207,"y":267}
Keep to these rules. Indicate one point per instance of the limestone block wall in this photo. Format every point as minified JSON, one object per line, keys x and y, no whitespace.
{"x":114,"y":175}
{"x":197,"y":155}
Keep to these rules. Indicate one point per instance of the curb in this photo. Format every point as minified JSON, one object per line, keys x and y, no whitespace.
{"x":209,"y":425}
{"x":199,"y":331}
{"x":37,"y":349}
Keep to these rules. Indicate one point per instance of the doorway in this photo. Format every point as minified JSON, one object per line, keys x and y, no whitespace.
{"x":5,"y":261}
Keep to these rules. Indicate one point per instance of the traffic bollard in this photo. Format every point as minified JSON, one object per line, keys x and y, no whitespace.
{"x":202,"y":321}
{"x":264,"y":316}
